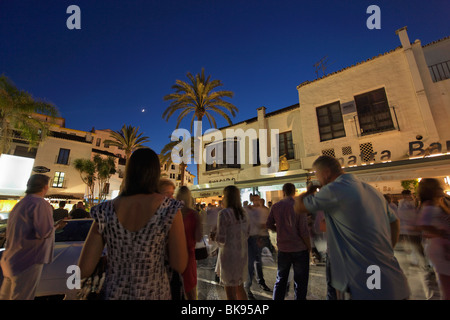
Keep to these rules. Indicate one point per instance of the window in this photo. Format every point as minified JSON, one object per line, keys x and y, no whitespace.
{"x":286,"y":146}
{"x":172,"y":176}
{"x":63,"y":157}
{"x":58,"y":180}
{"x":223,"y":159}
{"x":330,"y":121}
{"x":255,"y":155}
{"x":172,"y":167}
{"x":98,"y":142}
{"x":373,"y":112}
{"x":22,"y":151}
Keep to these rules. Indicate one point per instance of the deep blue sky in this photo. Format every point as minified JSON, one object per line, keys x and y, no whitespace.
{"x":128,"y":54}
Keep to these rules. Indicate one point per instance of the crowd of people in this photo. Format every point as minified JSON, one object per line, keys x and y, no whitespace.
{"x":150,"y":234}
{"x":78,"y":211}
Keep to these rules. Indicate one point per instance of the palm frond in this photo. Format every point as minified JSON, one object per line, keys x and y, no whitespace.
{"x":198,"y":96}
{"x":16,"y":110}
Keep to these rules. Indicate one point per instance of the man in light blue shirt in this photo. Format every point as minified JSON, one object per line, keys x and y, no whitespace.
{"x":361,"y":233}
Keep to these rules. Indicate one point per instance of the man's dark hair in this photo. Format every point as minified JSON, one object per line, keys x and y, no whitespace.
{"x":62,"y":204}
{"x":36,"y":183}
{"x":289,"y":189}
{"x":406,"y":192}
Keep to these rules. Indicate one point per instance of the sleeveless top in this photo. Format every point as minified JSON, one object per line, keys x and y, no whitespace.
{"x":136,"y":267}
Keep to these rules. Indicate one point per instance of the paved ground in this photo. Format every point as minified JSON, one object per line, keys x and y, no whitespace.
{"x":208,"y":289}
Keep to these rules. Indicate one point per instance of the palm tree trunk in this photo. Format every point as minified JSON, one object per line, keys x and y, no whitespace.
{"x":183,"y":172}
{"x":5,"y":135}
{"x":199,"y":118}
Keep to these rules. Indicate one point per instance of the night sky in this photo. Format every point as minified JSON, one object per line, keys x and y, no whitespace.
{"x":128,"y":54}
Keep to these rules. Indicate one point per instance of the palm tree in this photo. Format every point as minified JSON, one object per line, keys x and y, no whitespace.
{"x":16,"y":121}
{"x":127,"y":139}
{"x":97,"y":170}
{"x":199,"y":98}
{"x":105,"y":168}
{"x":86,"y":168}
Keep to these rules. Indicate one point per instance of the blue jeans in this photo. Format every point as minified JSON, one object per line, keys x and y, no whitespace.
{"x":254,"y":262}
{"x":331,"y":292}
{"x":300,"y":262}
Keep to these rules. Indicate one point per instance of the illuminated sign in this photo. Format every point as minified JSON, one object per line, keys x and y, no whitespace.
{"x":352,"y":160}
{"x":416,"y":148}
{"x":14,"y":174}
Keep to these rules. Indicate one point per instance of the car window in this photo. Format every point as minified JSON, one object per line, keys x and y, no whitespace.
{"x":75,"y":230}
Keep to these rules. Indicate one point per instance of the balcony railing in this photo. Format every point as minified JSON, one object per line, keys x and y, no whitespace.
{"x":440,"y":71}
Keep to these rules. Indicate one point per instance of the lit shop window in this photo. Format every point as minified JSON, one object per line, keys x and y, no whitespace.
{"x":58,"y":180}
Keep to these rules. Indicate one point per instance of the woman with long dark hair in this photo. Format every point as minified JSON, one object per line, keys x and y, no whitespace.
{"x":232,"y":235}
{"x":140,"y":228}
{"x":435,"y":224}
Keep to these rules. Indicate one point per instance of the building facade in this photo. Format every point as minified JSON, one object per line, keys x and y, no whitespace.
{"x":172,"y":172}
{"x":253,"y":139}
{"x":386,"y":119}
{"x":55,"y":155}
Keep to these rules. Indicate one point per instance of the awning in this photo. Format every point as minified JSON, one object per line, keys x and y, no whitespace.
{"x":76,"y":196}
{"x":429,"y":167}
{"x":216,"y":189}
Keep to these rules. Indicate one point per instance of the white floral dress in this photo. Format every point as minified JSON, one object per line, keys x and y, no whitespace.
{"x":232,"y":235}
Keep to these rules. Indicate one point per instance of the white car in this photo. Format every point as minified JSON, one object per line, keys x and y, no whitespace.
{"x":68,"y":245}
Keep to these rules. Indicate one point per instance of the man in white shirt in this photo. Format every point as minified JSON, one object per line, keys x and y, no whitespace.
{"x":258,"y":230}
